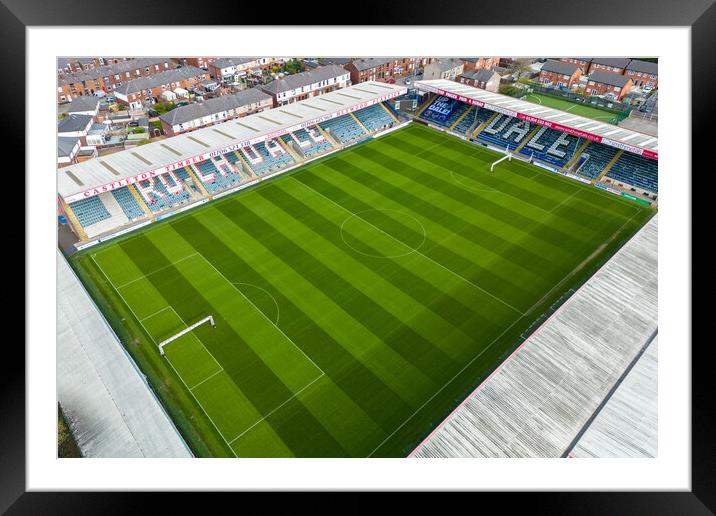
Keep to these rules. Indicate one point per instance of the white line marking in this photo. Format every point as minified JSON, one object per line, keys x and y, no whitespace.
{"x":154,"y":272}
{"x":281,"y":405}
{"x":446,"y":384}
{"x":259,"y":311}
{"x":416,"y":251}
{"x":168,"y":361}
{"x":155,"y":313}
{"x":564,"y":200}
{"x":207,"y":378}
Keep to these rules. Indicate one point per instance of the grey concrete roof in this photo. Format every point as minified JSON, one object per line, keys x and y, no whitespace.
{"x":542,"y":396}
{"x":611,"y":79}
{"x":82,"y":103}
{"x":65,"y":145}
{"x":643,"y":66}
{"x":72,"y":123}
{"x":559,"y":67}
{"x":618,"y":62}
{"x":291,"y":82}
{"x":184,"y":114}
{"x":112,"y":69}
{"x":113,"y":168}
{"x":627,"y":425}
{"x":623,"y":137}
{"x":170,"y":76}
{"x":447,"y":64}
{"x":371,"y":62}
{"x":482,"y":75}
{"x":110,"y":409}
{"x":225,"y":62}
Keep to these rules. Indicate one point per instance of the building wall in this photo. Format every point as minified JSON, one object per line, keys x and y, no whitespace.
{"x":311,"y":90}
{"x":605,"y":68}
{"x":597,"y":88}
{"x":493,"y":84}
{"x":434,"y":71}
{"x":583,"y":65}
{"x":398,"y":68}
{"x":556,"y":79}
{"x":641,"y":79}
{"x":215,"y":118}
{"x":136,"y":99}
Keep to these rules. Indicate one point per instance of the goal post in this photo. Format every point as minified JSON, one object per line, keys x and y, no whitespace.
{"x":507,"y":156}
{"x":208,"y":318}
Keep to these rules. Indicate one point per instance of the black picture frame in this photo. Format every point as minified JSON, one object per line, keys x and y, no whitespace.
{"x":16,"y":15}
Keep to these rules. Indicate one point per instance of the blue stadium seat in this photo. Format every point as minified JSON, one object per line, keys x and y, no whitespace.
{"x":90,"y":211}
{"x":345,"y":128}
{"x":128,"y":203}
{"x":269,"y":163}
{"x":374,"y":118}
{"x":636,"y":171}
{"x":444,"y":111}
{"x":309,"y":147}
{"x":158,"y":197}
{"x":595,"y":157}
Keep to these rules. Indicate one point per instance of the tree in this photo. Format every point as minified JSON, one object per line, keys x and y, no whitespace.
{"x":521,"y":67}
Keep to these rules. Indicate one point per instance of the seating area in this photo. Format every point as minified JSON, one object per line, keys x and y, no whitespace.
{"x":345,"y":128}
{"x":128,"y":203}
{"x":636,"y":171}
{"x":163,"y":192}
{"x":551,"y":146}
{"x":444,"y":111}
{"x":595,"y":157}
{"x":464,"y":125}
{"x":374,"y":117}
{"x":311,"y":143}
{"x":266,"y":163}
{"x":90,"y":211}
{"x":504,"y":131}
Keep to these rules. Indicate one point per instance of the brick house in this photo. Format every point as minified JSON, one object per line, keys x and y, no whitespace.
{"x":109,"y":77}
{"x":582,"y":62}
{"x":643,"y":73}
{"x":486,"y":79}
{"x":301,"y":86}
{"x":444,"y":69}
{"x":197,"y":62}
{"x":137,"y":92}
{"x":614,"y":65}
{"x":603,"y":83}
{"x":213,"y":111}
{"x":479,"y":63}
{"x":557,"y":74}
{"x":381,"y":69}
{"x":230,"y":69}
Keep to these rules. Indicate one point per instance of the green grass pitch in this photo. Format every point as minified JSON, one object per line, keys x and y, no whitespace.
{"x":357,"y":300}
{"x":572,"y":107}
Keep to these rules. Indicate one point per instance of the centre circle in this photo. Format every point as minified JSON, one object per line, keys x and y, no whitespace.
{"x":383,"y":233}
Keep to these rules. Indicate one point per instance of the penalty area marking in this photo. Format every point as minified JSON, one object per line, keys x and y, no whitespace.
{"x":412,"y":249}
{"x":168,"y":361}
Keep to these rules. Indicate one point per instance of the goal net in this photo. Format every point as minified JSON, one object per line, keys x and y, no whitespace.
{"x":209,"y":319}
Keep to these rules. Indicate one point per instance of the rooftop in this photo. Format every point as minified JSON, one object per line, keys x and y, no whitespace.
{"x":74,"y":122}
{"x":75,"y":180}
{"x":82,"y":103}
{"x":630,"y":140}
{"x":209,"y":107}
{"x":112,"y":69}
{"x":226,"y":62}
{"x":617,"y":62}
{"x":559,"y":67}
{"x":299,"y":80}
{"x":610,"y":79}
{"x":167,"y":77}
{"x":643,"y":66}
{"x":65,"y":145}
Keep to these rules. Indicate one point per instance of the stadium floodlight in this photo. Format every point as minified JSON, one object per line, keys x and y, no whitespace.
{"x":209,"y":319}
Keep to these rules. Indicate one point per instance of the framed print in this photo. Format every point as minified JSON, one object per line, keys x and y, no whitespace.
{"x":285,"y":259}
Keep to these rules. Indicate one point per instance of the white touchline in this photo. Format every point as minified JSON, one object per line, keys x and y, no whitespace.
{"x":168,"y":361}
{"x":281,"y":405}
{"x":416,"y":251}
{"x":154,"y":272}
{"x":259,"y":311}
{"x":207,"y":378}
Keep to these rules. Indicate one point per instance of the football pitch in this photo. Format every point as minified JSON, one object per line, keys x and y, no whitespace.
{"x":357,"y":300}
{"x":577,"y":108}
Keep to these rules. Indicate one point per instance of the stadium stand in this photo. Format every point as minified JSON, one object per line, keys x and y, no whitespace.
{"x":551,"y":146}
{"x":163,"y":192}
{"x":262,"y":161}
{"x":636,"y":171}
{"x":504,"y":131}
{"x":344,"y":128}
{"x":310,"y":141}
{"x":444,"y":111}
{"x":594,"y":159}
{"x":90,"y":211}
{"x":128,"y":203}
{"x":374,"y":118}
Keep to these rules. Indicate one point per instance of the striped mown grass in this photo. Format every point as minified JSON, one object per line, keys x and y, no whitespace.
{"x":357,"y":300}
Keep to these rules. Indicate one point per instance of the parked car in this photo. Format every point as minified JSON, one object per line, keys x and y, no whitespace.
{"x":133,"y":123}
{"x":153,"y":112}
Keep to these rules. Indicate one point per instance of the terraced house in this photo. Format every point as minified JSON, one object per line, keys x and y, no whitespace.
{"x":110,"y":77}
{"x":307,"y":84}
{"x":137,"y":92}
